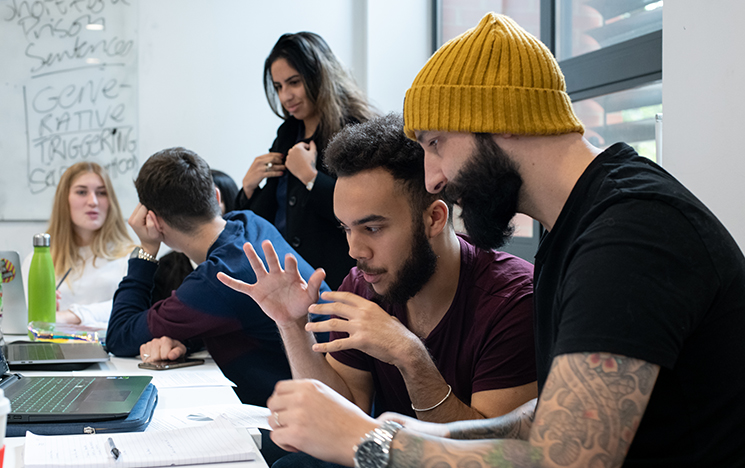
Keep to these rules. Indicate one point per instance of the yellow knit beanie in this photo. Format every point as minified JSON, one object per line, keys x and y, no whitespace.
{"x":494,"y":78}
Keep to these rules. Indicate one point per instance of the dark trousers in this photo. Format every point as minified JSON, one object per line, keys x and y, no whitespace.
{"x":303,"y":460}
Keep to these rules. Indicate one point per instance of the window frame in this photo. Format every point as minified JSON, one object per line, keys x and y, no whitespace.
{"x":615,"y":68}
{"x":618,"y":67}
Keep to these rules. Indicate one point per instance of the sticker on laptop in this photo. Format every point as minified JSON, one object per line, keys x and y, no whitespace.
{"x":8,"y":270}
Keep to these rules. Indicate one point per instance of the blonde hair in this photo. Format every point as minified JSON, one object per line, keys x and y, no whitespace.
{"x":111,"y":241}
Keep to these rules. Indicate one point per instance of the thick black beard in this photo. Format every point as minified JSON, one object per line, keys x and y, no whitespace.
{"x":416,"y":271}
{"x":487,"y":189}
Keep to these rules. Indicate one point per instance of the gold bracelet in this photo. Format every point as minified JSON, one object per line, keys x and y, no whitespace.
{"x":140,"y":253}
{"x":450,"y":390}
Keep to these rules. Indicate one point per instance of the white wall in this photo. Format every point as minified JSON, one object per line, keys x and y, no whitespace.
{"x":201,"y":65}
{"x":399,"y":43}
{"x":18,"y":235}
{"x":704,"y":102}
{"x":202,"y":62}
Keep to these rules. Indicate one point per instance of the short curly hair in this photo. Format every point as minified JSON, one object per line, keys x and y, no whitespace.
{"x":381,"y":143}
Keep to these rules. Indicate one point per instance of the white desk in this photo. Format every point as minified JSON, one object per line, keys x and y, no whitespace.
{"x":168,"y":398}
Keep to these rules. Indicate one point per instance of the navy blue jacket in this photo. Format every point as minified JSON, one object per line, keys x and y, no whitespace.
{"x":244,"y":342}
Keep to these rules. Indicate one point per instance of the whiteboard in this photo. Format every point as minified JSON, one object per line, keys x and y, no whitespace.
{"x":68,"y":93}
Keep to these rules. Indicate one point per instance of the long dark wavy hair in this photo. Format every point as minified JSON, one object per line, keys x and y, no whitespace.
{"x":331,"y":89}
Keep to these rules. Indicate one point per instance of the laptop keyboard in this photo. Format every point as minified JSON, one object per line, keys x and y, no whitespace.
{"x":50,"y":394}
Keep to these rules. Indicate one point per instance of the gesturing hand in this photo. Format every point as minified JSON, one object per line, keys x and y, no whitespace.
{"x":282,"y":294}
{"x":371,"y":329}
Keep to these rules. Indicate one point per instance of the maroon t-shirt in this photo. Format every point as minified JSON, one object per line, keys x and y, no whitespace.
{"x":484,"y":341}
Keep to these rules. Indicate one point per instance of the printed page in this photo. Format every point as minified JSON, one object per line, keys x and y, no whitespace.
{"x":216,"y":442}
{"x":206,"y":378}
{"x":239,"y":415}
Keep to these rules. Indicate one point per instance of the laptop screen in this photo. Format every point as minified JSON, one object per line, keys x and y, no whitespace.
{"x":4,"y":369}
{"x":15,"y":313}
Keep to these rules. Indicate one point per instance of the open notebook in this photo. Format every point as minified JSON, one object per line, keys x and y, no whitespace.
{"x":215,"y":442}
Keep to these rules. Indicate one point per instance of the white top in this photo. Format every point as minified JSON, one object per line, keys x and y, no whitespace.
{"x":89,"y":293}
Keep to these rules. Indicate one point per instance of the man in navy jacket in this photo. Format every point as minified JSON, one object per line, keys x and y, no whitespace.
{"x":180,"y":207}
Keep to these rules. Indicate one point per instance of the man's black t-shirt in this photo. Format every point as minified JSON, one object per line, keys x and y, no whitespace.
{"x":636,"y":265}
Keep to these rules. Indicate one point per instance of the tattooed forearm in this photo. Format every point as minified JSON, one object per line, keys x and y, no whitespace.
{"x":590,"y":408}
{"x":411,"y":451}
{"x":589,"y":411}
{"x":513,"y":425}
{"x":407,"y":452}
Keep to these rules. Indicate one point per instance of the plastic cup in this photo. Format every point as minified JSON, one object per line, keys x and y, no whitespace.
{"x":4,"y":410}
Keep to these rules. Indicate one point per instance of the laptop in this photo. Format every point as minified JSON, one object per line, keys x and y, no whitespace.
{"x":15,"y":314}
{"x":38,"y":355}
{"x":69,"y":398}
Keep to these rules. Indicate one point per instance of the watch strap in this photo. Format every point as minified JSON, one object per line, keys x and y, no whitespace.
{"x":390,"y":427}
{"x":380,"y":438}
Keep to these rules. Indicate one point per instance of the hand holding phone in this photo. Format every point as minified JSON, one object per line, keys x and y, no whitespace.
{"x":167,"y":365}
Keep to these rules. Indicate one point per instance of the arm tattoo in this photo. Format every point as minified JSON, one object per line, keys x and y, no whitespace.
{"x":416,"y":452}
{"x":409,"y":455}
{"x":591,"y":406}
{"x":513,"y":425}
{"x":589,"y":411}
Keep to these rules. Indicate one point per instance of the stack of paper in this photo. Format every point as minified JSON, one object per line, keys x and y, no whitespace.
{"x":240,"y":415}
{"x":216,"y":442}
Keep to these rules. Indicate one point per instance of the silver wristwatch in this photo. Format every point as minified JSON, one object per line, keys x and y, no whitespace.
{"x":374,"y":449}
{"x":140,"y":253}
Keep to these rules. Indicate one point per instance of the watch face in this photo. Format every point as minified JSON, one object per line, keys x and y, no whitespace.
{"x":370,"y":454}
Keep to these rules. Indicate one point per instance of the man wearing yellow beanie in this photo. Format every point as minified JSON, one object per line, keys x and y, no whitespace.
{"x":639,"y":297}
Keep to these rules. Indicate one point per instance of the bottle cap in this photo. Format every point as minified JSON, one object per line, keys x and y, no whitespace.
{"x":42,"y":240}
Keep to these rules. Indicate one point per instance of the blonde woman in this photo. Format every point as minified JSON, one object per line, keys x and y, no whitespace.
{"x":89,"y":238}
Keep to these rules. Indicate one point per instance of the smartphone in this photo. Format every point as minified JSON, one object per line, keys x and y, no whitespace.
{"x":166,"y":365}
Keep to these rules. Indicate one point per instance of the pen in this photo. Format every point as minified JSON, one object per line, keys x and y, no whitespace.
{"x":63,"y":278}
{"x":112,"y":448}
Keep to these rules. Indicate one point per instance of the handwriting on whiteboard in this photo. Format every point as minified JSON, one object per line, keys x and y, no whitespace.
{"x":74,"y":79}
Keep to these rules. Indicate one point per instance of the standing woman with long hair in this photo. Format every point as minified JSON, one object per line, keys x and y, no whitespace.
{"x":90,"y":239}
{"x":308,"y":87}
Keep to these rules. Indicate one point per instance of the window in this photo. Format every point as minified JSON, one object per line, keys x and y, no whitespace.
{"x":583,"y":26}
{"x":627,"y":116}
{"x":457,"y":16}
{"x":610,"y":52}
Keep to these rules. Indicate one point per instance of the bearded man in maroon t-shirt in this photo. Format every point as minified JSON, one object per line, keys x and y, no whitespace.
{"x":427,"y":324}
